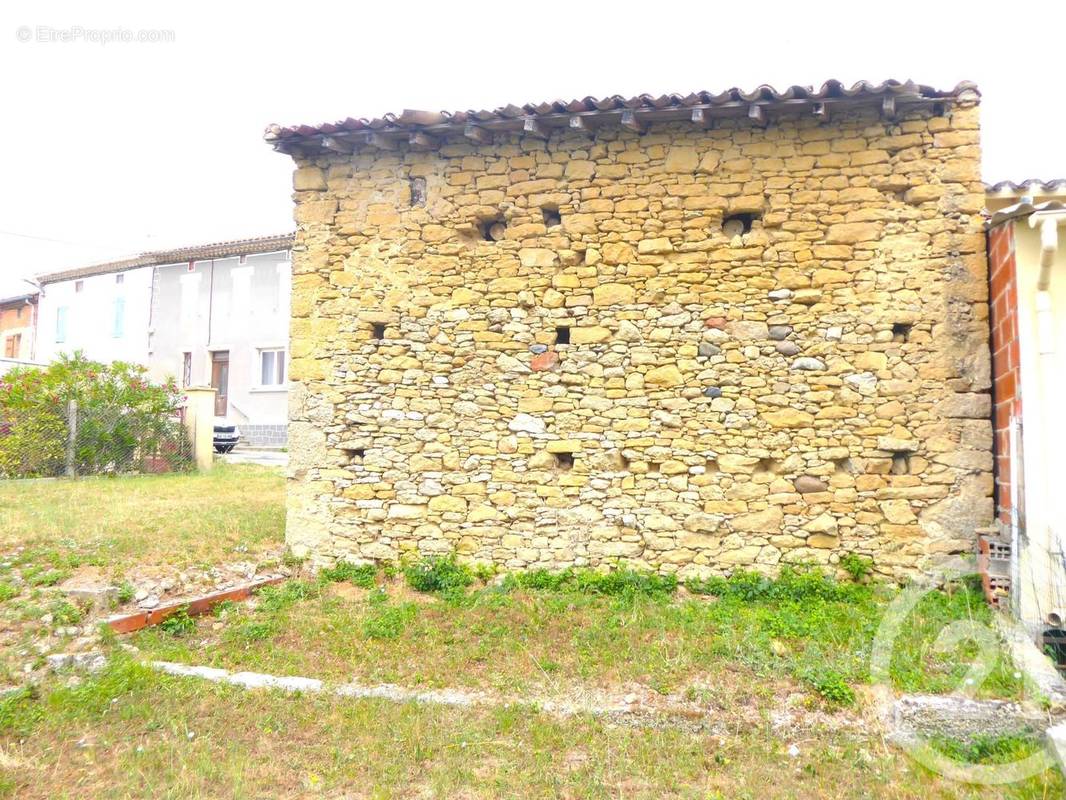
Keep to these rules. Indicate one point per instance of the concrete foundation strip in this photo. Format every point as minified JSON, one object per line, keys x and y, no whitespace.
{"x":618,"y":709}
{"x":128,"y":623}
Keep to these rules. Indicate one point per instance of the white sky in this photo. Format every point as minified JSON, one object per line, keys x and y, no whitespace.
{"x":111,"y":149}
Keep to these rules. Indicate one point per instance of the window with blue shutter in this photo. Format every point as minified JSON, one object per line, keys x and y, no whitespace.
{"x":61,"y":324}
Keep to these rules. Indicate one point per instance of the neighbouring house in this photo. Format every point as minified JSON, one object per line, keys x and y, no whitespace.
{"x":18,"y":325}
{"x":215,"y":315}
{"x":692,"y":333}
{"x":1028,"y":296}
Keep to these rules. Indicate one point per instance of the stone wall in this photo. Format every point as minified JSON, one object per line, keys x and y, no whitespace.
{"x":811,"y":381}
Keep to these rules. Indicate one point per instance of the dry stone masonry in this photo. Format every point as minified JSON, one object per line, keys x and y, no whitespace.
{"x":691,"y":347}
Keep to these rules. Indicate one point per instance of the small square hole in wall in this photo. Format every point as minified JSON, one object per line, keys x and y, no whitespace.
{"x":901,"y":332}
{"x":844,"y":466}
{"x":562,"y":334}
{"x":354,"y":455}
{"x":377,"y":331}
{"x":738,"y":224}
{"x":552,"y":217}
{"x":418,"y":191}
{"x":564,"y":461}
{"x":901,"y":464}
{"x":712,"y":466}
{"x":653,"y":468}
{"x":766,"y":465}
{"x":492,"y":229}
{"x":623,"y":463}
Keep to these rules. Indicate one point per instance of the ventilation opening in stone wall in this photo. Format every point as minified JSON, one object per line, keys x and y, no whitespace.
{"x":353,"y":455}
{"x":766,"y":465}
{"x":418,"y":191}
{"x":738,"y":224}
{"x":712,"y":465}
{"x":653,"y":468}
{"x":562,"y":334}
{"x":377,"y":330}
{"x":844,"y":466}
{"x":551,"y":215}
{"x":492,"y":229}
{"x":564,"y":462}
{"x":901,"y":464}
{"x":901,"y":332}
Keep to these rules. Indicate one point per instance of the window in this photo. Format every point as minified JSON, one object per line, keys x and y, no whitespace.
{"x":18,"y":313}
{"x":79,"y":285}
{"x":120,"y":278}
{"x":118,"y":331}
{"x":12,"y":345}
{"x":271,"y":367}
{"x":186,"y":370}
{"x":61,"y":324}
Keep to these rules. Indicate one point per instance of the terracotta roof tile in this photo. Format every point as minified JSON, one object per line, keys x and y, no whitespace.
{"x":832,"y":91}
{"x":1033,"y":185}
{"x":200,"y":252}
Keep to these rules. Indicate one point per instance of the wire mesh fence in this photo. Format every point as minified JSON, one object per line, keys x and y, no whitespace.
{"x":98,"y":440}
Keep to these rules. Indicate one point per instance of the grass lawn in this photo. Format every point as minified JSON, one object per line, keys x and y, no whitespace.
{"x":123,"y":532}
{"x":175,"y":520}
{"x":132,"y":733}
{"x":737,"y":655}
{"x":808,"y":632}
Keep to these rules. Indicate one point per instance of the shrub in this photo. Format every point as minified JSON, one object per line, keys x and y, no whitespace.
{"x":619,"y":582}
{"x":360,"y":574}
{"x":179,"y":623}
{"x":126,"y":592}
{"x":831,"y":685}
{"x":791,"y":584}
{"x":856,"y":566}
{"x":438,"y":574}
{"x":124,"y":421}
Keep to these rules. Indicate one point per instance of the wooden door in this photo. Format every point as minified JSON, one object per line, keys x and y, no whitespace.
{"x":220,"y":381}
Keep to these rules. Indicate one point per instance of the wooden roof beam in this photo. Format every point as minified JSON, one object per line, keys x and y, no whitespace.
{"x":630,"y":121}
{"x":381,"y":142}
{"x":577,"y":123}
{"x":337,"y":145}
{"x":477,"y":134}
{"x":888,"y":106}
{"x":422,"y":141}
{"x":533,"y":127}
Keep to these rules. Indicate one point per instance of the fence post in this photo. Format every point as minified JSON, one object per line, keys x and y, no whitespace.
{"x":200,"y":422}
{"x":72,"y":436}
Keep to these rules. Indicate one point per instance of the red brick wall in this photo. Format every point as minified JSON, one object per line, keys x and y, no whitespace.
{"x":1006,"y":367}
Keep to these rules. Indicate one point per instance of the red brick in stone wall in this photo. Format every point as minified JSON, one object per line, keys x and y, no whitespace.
{"x":1006,"y":367}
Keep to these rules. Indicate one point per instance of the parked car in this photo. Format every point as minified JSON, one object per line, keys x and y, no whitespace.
{"x":226,"y":438}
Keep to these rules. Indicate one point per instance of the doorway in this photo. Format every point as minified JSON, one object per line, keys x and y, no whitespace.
{"x":220,"y":380}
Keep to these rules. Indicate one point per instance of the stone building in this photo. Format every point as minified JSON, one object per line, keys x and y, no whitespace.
{"x":684,"y":333}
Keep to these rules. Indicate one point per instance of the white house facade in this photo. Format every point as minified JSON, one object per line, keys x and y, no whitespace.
{"x":212,"y":315}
